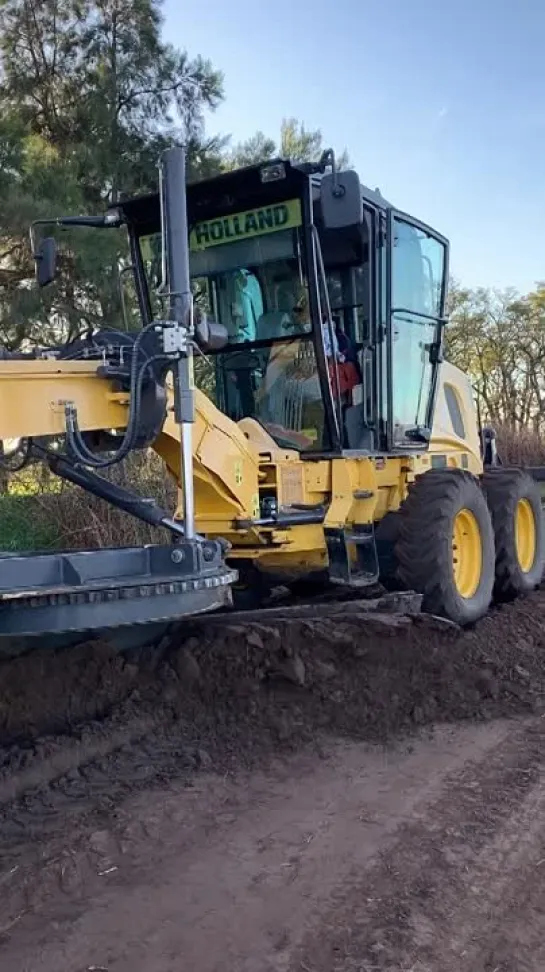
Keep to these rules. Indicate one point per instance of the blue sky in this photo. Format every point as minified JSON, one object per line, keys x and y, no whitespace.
{"x":440,"y":104}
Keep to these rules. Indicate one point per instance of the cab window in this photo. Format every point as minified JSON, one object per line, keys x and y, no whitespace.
{"x":418,"y":267}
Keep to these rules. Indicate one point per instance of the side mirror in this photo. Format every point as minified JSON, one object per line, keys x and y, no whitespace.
{"x":340,"y":197}
{"x":46,"y":261}
{"x":209,"y":334}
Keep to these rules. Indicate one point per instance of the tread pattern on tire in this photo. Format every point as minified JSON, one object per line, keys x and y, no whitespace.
{"x":424,"y":546}
{"x":386,"y":536}
{"x":503,"y":488}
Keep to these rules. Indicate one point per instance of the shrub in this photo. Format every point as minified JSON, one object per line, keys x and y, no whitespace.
{"x":23,"y":525}
{"x":520,"y":447}
{"x":63,"y":516}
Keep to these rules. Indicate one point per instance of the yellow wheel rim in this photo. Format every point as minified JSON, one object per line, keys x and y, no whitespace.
{"x":467,"y":553}
{"x":525,"y":535}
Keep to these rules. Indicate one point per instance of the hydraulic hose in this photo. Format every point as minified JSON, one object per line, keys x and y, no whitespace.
{"x":75,"y":441}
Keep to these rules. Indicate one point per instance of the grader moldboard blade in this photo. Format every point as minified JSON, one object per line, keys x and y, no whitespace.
{"x":90,"y":590}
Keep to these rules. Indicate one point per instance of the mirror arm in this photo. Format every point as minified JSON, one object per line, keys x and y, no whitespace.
{"x":328,"y":158}
{"x":111,"y":219}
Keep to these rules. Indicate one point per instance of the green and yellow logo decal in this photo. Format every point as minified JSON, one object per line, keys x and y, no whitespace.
{"x":241,"y":226}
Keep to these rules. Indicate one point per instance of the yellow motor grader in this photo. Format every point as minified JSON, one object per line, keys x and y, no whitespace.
{"x":289,"y":372}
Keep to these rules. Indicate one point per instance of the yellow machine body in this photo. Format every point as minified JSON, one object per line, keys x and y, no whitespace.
{"x":234,"y":462}
{"x":328,"y":436}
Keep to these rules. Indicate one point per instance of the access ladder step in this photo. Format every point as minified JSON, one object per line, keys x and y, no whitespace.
{"x":352,"y":554}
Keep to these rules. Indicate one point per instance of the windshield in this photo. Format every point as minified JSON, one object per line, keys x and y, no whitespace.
{"x":248,"y":272}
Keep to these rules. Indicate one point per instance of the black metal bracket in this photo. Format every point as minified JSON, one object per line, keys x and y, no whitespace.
{"x":352,"y":554}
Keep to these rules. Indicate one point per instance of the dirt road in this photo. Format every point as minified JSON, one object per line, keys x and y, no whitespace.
{"x":314,"y":796}
{"x":425,"y":856}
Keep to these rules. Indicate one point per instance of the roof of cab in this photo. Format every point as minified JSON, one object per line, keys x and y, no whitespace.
{"x":143,"y":209}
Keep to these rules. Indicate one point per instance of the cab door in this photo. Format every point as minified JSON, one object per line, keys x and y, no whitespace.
{"x":416,"y":276}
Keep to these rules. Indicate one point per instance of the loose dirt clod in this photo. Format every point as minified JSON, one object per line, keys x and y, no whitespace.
{"x":91,"y":719}
{"x":355,"y":673}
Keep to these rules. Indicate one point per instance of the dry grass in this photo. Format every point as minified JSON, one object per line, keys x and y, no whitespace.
{"x":84,"y":521}
{"x":66,"y":517}
{"x":520,"y":447}
{"x":42,"y":513}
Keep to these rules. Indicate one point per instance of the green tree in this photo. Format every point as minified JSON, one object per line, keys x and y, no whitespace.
{"x":296,"y":143}
{"x":89,"y":96}
{"x":299,"y":143}
{"x":258,"y":148}
{"x":498,"y":338}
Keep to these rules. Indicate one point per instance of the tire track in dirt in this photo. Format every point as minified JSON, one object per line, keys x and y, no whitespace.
{"x":440,"y":897}
{"x":517,"y":931}
{"x":228,"y":877}
{"x":143,"y":728}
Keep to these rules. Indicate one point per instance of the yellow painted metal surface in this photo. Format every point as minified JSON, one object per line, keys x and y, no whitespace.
{"x":525,"y":535}
{"x":226,"y":467}
{"x":33,"y":393}
{"x":444,"y":440}
{"x":354,"y":491}
{"x":467,"y":553}
{"x":237,"y":464}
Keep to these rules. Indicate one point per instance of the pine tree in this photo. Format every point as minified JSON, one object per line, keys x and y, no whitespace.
{"x":89,"y":96}
{"x":296,"y":143}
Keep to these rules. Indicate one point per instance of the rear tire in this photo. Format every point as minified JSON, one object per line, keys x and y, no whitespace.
{"x":445,"y":548}
{"x":386,"y":537}
{"x":514,"y":500}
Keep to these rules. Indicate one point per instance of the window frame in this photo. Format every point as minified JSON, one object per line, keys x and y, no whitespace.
{"x":455,"y":410}
{"x":439,"y":320}
{"x":311,"y":257}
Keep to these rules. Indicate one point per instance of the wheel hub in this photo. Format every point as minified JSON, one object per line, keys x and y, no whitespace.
{"x":525,"y":535}
{"x":467,"y":553}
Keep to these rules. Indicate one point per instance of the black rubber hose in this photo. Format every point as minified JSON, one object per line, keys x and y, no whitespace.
{"x":74,"y":438}
{"x":75,"y":442}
